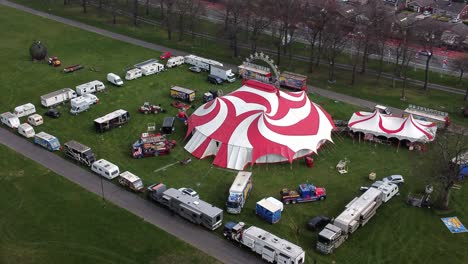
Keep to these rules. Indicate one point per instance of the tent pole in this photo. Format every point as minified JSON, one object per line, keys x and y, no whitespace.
{"x":359,"y":137}
{"x":398,"y":146}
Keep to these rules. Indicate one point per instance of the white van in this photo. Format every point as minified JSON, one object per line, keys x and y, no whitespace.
{"x":175,"y":61}
{"x":24,"y":110}
{"x":35,"y":120}
{"x":133,"y":74}
{"x":26,"y":130}
{"x":90,"y":87}
{"x":105,"y":169}
{"x":10,"y":120}
{"x":114,"y":79}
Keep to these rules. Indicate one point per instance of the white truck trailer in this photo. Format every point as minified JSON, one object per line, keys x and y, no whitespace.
{"x":24,"y":110}
{"x":272,"y":248}
{"x":222,"y":72}
{"x":90,"y":87}
{"x":239,"y":191}
{"x":200,"y":62}
{"x":57,"y":97}
{"x":133,"y":74}
{"x":357,"y":213}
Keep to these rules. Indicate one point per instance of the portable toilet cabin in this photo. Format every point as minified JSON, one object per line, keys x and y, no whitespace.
{"x":268,"y":210}
{"x":47,"y":141}
{"x":26,"y":130}
{"x":10,"y":120}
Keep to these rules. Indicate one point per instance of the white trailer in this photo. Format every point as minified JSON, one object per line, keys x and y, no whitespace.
{"x":35,"y":120}
{"x":24,"y":110}
{"x":90,"y":87}
{"x":175,"y":61}
{"x":239,"y":191}
{"x":10,"y":120}
{"x":133,"y":74}
{"x":57,"y":97}
{"x":106,"y":169}
{"x":388,"y":189}
{"x":357,"y":213}
{"x":200,"y":62}
{"x":26,"y":130}
{"x":82,"y":103}
{"x":272,"y":248}
{"x":222,"y":72}
{"x":152,"y":68}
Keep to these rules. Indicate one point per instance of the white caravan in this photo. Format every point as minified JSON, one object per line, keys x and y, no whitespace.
{"x":24,"y":110}
{"x":175,"y":61}
{"x":82,"y":103}
{"x":90,"y":87}
{"x":57,"y":97}
{"x":35,"y":120}
{"x":10,"y":120}
{"x":151,"y":68}
{"x":106,"y":169}
{"x":133,"y":74}
{"x":389,"y":189}
{"x":114,"y":79}
{"x":200,"y":62}
{"x":26,"y":130}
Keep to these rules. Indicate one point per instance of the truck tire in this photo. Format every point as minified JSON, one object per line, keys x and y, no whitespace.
{"x":294,"y":202}
{"x":322,"y":198}
{"x":287,"y":202}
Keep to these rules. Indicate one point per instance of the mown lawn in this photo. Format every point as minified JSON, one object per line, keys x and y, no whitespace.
{"x":47,"y":219}
{"x":398,"y":233}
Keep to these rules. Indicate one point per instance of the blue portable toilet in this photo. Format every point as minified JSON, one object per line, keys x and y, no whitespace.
{"x":269,"y":209}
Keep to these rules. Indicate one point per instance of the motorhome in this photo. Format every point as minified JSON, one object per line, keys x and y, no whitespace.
{"x":82,"y":103}
{"x":239,"y":191}
{"x":90,"y":87}
{"x":151,"y":68}
{"x":24,"y":110}
{"x":35,"y":120}
{"x":106,"y":169}
{"x":26,"y":130}
{"x":79,"y":152}
{"x":57,"y":97}
{"x":47,"y":141}
{"x":111,"y":120}
{"x":175,"y":61}
{"x":200,"y":62}
{"x":133,"y":74}
{"x":10,"y":120}
{"x":114,"y":79}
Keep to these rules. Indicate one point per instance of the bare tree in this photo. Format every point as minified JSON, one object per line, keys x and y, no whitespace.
{"x":315,"y":17}
{"x":404,"y":29}
{"x":406,"y":59}
{"x":461,"y":64}
{"x":256,"y":22}
{"x":196,"y":9}
{"x":84,"y":4}
{"x":114,"y":8}
{"x":135,"y":12}
{"x":334,"y":39}
{"x":447,"y":153}
{"x":169,"y":16}
{"x":182,"y":9}
{"x":234,"y":17}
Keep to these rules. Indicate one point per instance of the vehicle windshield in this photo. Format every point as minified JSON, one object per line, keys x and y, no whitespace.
{"x":232,"y":204}
{"x":323,"y":240}
{"x":138,"y":184}
{"x":118,"y":80}
{"x":55,"y":144}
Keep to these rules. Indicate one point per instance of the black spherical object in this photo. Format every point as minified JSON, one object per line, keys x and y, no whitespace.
{"x":38,"y":51}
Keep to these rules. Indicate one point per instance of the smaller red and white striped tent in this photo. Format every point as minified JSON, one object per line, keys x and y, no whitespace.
{"x":390,"y":126}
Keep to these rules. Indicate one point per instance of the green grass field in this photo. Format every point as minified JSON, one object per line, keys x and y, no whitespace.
{"x":47,"y":219}
{"x":398,"y":234}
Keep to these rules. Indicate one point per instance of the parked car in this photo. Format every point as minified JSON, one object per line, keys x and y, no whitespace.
{"x":456,"y":20}
{"x":190,"y":192}
{"x":214,"y":79}
{"x":396,"y":179}
{"x":318,"y":222}
{"x":424,"y":53}
{"x":54,"y":113}
{"x":195,"y":69}
{"x":427,"y":13}
{"x":165,"y":55}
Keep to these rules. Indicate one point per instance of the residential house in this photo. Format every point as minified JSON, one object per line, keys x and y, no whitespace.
{"x":422,"y":5}
{"x":451,"y":9}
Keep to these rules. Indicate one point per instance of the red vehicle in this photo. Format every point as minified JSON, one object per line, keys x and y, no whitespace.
{"x":73,"y":68}
{"x":54,"y":61}
{"x":165,"y":55}
{"x":150,"y":145}
{"x":180,"y":105}
{"x":305,"y":193}
{"x":148,"y":108}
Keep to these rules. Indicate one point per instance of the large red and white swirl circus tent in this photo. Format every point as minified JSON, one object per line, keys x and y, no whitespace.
{"x":257,"y":123}
{"x":389,"y":126}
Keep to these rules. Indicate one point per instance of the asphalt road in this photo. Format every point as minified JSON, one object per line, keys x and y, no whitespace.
{"x":152,"y":213}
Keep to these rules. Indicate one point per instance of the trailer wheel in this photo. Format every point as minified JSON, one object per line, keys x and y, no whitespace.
{"x":294,"y":202}
{"x":322,"y":198}
{"x":287,"y":202}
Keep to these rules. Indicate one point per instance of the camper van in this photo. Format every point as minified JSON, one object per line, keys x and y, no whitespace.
{"x":35,"y":120}
{"x":175,"y":61}
{"x":47,"y":141}
{"x":57,"y":97}
{"x":10,"y":120}
{"x":152,"y":68}
{"x":90,"y":87}
{"x":24,"y":110}
{"x":26,"y":130}
{"x":133,"y":74}
{"x":114,"y":79}
{"x":105,"y":169}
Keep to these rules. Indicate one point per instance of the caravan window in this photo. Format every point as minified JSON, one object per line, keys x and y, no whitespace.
{"x":107,"y":173}
{"x":218,"y":218}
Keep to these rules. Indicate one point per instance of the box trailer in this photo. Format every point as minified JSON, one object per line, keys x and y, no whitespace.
{"x":133,"y":74}
{"x":131,"y":181}
{"x":79,"y":152}
{"x":200,"y":62}
{"x":239,"y":191}
{"x":272,"y":248}
{"x":47,"y":141}
{"x":441,"y":119}
{"x":115,"y":119}
{"x":151,"y":68}
{"x":90,"y":87}
{"x":191,"y":208}
{"x":26,"y":130}
{"x":35,"y":120}
{"x":57,"y":97}
{"x":175,"y":61}
{"x":106,"y":169}
{"x":293,"y":80}
{"x":183,"y":94}
{"x":224,"y":73}
{"x":24,"y":110}
{"x":248,"y":71}
{"x":269,"y":209}
{"x":10,"y":120}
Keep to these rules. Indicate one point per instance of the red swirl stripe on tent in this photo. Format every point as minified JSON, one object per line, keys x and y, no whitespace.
{"x":257,"y":123}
